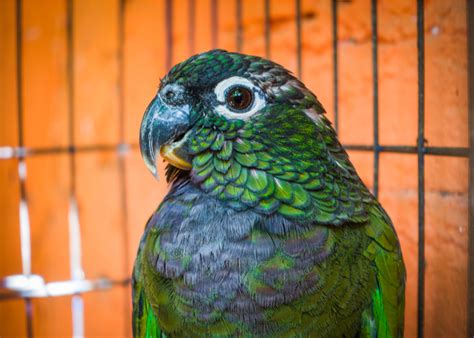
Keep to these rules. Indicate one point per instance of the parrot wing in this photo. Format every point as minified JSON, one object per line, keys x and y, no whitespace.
{"x":385,"y":318}
{"x":145,"y":323}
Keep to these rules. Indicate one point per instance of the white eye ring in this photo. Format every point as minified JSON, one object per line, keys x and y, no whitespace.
{"x":221,"y":91}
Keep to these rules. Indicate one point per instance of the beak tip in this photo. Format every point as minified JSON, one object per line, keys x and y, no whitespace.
{"x":152,"y":167}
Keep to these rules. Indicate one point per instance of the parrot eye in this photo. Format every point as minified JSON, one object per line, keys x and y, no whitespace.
{"x":238,"y":98}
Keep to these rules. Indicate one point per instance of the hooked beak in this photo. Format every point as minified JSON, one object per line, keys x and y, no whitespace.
{"x":164,"y":129}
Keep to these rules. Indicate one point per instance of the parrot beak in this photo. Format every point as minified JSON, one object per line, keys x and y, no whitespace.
{"x":165,"y":129}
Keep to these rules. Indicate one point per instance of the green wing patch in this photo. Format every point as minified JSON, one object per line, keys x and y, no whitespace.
{"x":388,"y":301}
{"x":144,"y":322}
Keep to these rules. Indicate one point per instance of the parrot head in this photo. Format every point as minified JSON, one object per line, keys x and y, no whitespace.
{"x":226,"y":93}
{"x":246,"y":131}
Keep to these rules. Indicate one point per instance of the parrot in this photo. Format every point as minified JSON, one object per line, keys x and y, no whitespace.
{"x":266,"y":230}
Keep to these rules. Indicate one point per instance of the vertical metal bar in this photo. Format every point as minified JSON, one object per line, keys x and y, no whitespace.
{"x":238,"y":15}
{"x":214,"y":25}
{"x":169,"y":33}
{"x":24,"y":219}
{"x":25,"y":233}
{"x":421,"y":166}
{"x":19,"y":69}
{"x":335,"y":65}
{"x":470,"y":283}
{"x":120,"y":70}
{"x":375,"y":74}
{"x":267,"y":29}
{"x":70,"y":90}
{"x":75,"y":252}
{"x":122,"y":151}
{"x":192,"y":26}
{"x":298,"y":37}
{"x":29,"y":317}
{"x":77,"y":305}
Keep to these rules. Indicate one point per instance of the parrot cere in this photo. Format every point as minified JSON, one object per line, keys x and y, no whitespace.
{"x":267,"y":229}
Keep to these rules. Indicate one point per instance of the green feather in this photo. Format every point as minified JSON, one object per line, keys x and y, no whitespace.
{"x":242,"y":146}
{"x":220,"y":179}
{"x":290,"y":212}
{"x":247,"y":160}
{"x":242,"y":180}
{"x":301,"y":197}
{"x":204,"y":172}
{"x":233,"y":172}
{"x":233,"y":192}
{"x":226,"y":151}
{"x":283,"y":191}
{"x":249,"y":198}
{"x":268,"y":206}
{"x":202,"y":159}
{"x":209,"y":184}
{"x":218,"y":142}
{"x":222,"y":166}
{"x":257,"y":181}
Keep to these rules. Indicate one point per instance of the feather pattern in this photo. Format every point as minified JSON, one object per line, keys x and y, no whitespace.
{"x":272,"y":232}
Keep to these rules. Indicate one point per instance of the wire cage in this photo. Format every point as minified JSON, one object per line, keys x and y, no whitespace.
{"x":20,"y":155}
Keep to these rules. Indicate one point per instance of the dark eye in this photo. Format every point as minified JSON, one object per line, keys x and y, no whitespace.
{"x":239,"y":98}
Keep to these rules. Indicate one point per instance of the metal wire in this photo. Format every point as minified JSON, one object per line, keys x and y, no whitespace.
{"x":298,"y":38}
{"x":191,"y":26}
{"x":335,"y":58}
{"x":238,"y":18}
{"x":23,"y":152}
{"x":214,"y":24}
{"x":470,"y":271}
{"x":24,"y":217}
{"x":421,"y":165}
{"x":75,"y":246}
{"x":169,"y":33}
{"x":435,"y":151}
{"x":375,"y":74}
{"x":121,"y":155}
{"x":267,"y":27}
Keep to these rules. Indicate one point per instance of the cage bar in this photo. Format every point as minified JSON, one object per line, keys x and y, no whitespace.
{"x":404,"y":149}
{"x":22,"y":152}
{"x":298,"y":38}
{"x":24,"y":224}
{"x":238,"y":18}
{"x":35,"y":287}
{"x":25,"y":229}
{"x":75,"y":247}
{"x":169,"y":33}
{"x":267,"y":28}
{"x":421,"y":165}
{"x":124,"y":148}
{"x":214,"y":23}
{"x":335,"y":58}
{"x":122,"y":169}
{"x":375,"y":74}
{"x":191,"y":26}
{"x":470,"y":267}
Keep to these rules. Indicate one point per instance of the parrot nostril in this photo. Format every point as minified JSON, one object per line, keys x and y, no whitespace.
{"x":170,"y":95}
{"x":173,"y":94}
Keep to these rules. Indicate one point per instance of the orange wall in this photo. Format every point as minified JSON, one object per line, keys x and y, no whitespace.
{"x":99,"y":98}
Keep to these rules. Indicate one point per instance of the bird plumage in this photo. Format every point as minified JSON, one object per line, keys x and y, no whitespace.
{"x":271,"y":232}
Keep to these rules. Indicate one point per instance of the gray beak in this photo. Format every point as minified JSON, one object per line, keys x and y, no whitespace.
{"x":161,"y":125}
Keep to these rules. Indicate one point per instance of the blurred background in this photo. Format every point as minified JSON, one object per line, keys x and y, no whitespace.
{"x":76,"y":76}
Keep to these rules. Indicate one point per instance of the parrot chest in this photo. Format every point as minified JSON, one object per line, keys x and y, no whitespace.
{"x":209,"y":265}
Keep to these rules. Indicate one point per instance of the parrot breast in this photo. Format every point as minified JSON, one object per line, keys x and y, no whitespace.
{"x":221,"y":268}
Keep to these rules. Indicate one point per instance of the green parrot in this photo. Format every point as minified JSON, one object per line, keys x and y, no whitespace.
{"x":267,"y":229}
